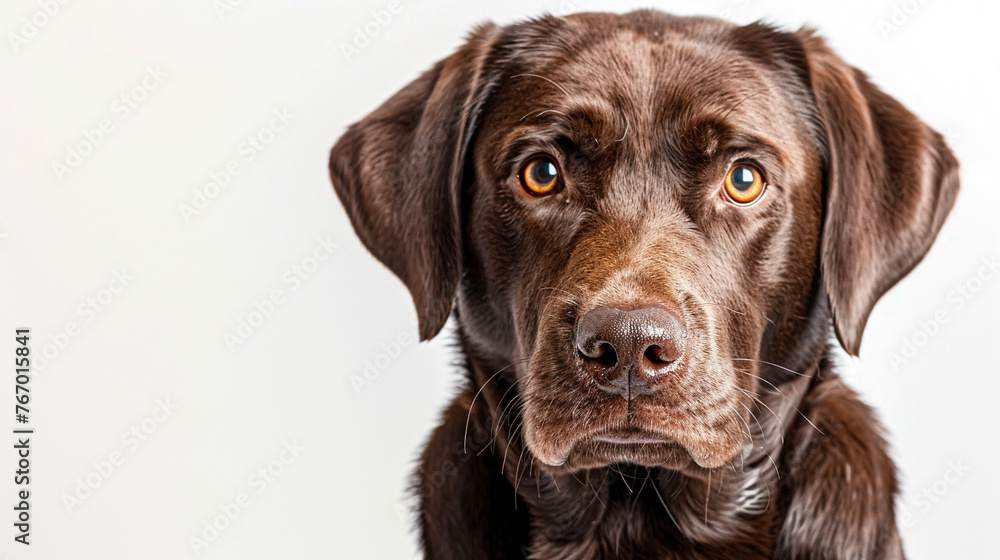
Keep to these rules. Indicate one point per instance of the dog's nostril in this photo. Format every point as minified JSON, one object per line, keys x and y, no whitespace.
{"x":600,"y":352}
{"x":657,"y":355}
{"x":607,"y":355}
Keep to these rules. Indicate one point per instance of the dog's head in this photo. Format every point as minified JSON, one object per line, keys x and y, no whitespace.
{"x":635,"y":212}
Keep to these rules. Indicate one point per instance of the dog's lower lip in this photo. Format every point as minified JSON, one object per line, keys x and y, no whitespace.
{"x":631,"y":437}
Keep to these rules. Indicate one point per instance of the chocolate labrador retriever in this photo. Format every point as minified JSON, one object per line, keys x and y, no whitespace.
{"x":646,"y":227}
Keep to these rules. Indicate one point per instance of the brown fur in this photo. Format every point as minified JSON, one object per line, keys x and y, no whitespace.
{"x":770,"y":454}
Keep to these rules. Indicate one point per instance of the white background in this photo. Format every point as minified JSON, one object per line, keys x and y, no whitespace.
{"x":162,"y":336}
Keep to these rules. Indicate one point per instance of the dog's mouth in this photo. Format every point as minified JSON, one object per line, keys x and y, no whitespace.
{"x":631,"y":446}
{"x":638,"y":449}
{"x":647,"y":438}
{"x":631,"y":437}
{"x":576,"y":429}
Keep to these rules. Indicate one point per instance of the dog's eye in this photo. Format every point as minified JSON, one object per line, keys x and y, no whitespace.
{"x":540,"y":176}
{"x":744,"y":183}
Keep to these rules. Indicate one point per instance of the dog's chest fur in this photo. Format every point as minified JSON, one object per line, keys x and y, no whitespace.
{"x":638,"y":513}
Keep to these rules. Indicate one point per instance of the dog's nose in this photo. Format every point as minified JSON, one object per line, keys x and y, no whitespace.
{"x":629,"y":351}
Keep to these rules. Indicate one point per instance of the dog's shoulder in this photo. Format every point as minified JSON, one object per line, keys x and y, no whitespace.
{"x":840,"y":479}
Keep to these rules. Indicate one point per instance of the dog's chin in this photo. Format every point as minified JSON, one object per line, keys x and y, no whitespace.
{"x":634,"y":447}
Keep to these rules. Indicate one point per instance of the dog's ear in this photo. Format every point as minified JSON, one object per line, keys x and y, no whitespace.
{"x":399,"y":174}
{"x":890,"y":181}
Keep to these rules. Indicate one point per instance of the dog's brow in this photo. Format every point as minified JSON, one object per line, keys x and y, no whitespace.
{"x":562,"y":89}
{"x":712,"y":136}
{"x":752,"y":142}
{"x":537,"y":114}
{"x":577,"y":122}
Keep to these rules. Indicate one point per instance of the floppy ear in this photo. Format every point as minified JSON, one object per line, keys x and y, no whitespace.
{"x":890,"y":181}
{"x":398,"y":173}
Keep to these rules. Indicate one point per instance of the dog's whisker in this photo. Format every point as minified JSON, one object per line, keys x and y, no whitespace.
{"x":749,"y":431}
{"x":620,"y":474}
{"x":542,"y":112}
{"x":508,"y":413}
{"x":732,"y":417}
{"x":771,"y":364}
{"x":496,"y":430}
{"x":577,"y":479}
{"x":465,"y":438}
{"x":538,"y":485}
{"x":663,"y":502}
{"x":555,"y":482}
{"x":740,"y":102}
{"x":722,"y":306}
{"x":571,"y":299}
{"x":680,"y":488}
{"x":804,"y":417}
{"x":772,"y":385}
{"x":708,"y":495}
{"x":759,"y":403}
{"x":777,"y":473}
{"x":597,"y":496}
{"x":767,"y":487}
{"x":755,"y":419}
{"x":763,"y":314}
{"x":514,"y":399}
{"x":518,"y":474}
{"x":517,"y":469}
{"x":624,"y":134}
{"x":503,"y":462}
{"x":562,"y":89}
{"x":638,"y":494}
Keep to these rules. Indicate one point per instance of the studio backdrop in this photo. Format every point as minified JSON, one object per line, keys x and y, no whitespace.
{"x":218,"y":368}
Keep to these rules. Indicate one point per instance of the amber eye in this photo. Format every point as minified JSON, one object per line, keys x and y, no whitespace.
{"x":540,"y":176}
{"x":744,"y":184}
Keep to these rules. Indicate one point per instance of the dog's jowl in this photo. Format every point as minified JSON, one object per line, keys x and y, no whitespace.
{"x":652,"y":232}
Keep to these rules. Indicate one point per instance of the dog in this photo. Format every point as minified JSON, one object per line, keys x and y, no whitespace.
{"x":649,"y":229}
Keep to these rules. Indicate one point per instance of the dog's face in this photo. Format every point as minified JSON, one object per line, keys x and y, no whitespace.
{"x":635,"y":212}
{"x":642,"y":209}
